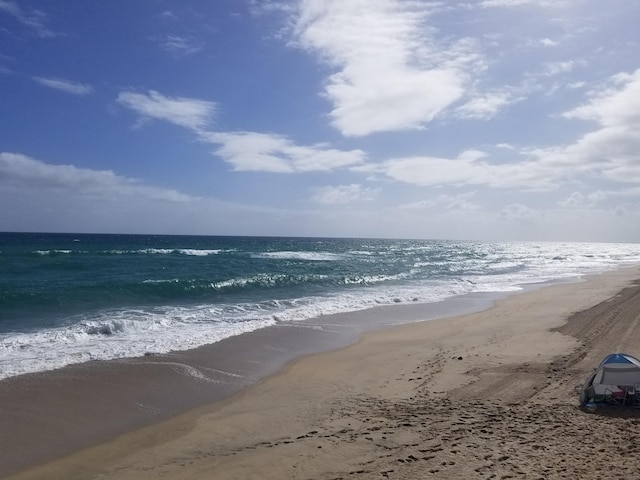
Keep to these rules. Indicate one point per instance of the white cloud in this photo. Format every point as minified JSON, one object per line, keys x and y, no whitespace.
{"x":579,"y":200}
{"x":576,"y":85}
{"x":505,"y":3}
{"x":469,"y":168}
{"x":431,"y":171}
{"x":547,"y":42}
{"x":390,"y":73}
{"x":520,"y":3}
{"x":245,"y":151}
{"x":556,"y":68}
{"x":486,"y":106}
{"x":575,"y":200}
{"x":342,"y":194}
{"x":611,"y":151}
{"x":445,"y":202}
{"x":185,"y":112}
{"x":614,"y":105}
{"x":67,"y":86}
{"x":22,"y":172}
{"x":252,"y":151}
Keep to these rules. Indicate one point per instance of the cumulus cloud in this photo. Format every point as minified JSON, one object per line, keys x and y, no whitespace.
{"x":66,"y":86}
{"x":609,"y":152}
{"x":252,"y":151}
{"x":612,"y":149}
{"x":390,"y":73}
{"x":341,"y":194}
{"x":615,"y":104}
{"x":22,"y":172}
{"x":190,"y":113}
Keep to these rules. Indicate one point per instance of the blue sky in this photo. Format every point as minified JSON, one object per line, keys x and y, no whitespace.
{"x":486,"y":119}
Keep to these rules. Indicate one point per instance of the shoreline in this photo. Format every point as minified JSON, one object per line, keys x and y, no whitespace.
{"x":39,"y":431}
{"x":378,"y":366}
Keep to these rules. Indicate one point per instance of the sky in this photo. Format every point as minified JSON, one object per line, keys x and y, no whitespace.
{"x":477,"y":120}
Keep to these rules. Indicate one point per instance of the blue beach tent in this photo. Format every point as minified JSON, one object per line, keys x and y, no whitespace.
{"x":616,"y":381}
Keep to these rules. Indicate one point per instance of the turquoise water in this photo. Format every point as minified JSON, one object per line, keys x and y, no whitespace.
{"x":67,"y":298}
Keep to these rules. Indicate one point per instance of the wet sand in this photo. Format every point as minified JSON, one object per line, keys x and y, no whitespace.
{"x":489,"y":394}
{"x":48,"y":415}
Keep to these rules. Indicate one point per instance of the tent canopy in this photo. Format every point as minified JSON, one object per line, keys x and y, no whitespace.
{"x":615,"y":381}
{"x":618,"y":369}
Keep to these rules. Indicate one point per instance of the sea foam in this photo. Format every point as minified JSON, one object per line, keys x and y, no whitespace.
{"x":126,"y":296}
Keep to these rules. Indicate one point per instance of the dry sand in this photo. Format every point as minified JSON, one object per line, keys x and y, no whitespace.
{"x":486,"y":395}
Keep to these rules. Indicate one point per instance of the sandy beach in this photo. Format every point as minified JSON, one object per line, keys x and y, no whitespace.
{"x":490,"y":394}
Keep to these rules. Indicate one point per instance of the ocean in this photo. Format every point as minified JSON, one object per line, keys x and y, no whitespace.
{"x":71,"y":298}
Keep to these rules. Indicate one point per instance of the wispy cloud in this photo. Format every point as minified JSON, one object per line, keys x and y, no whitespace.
{"x":23,"y":172}
{"x":472,"y":168}
{"x":520,"y":3}
{"x":185,"y":112}
{"x":67,"y":86}
{"x":390,"y":71}
{"x":179,"y":45}
{"x":547,"y":42}
{"x":469,"y":168}
{"x":576,"y":85}
{"x":580,"y":200}
{"x":444,"y":202}
{"x":486,"y":106}
{"x":342,"y":194}
{"x":252,"y":151}
{"x":555,"y":68}
{"x":35,"y":20}
{"x":244,"y":151}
